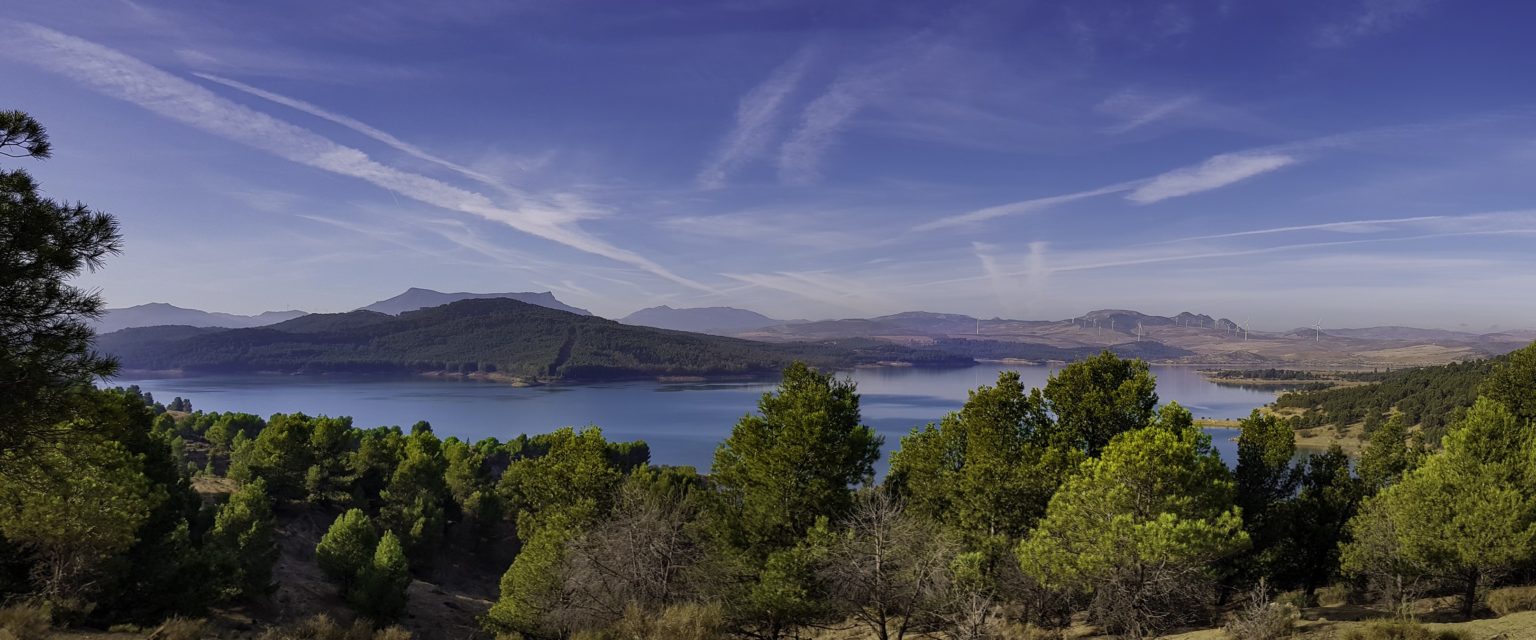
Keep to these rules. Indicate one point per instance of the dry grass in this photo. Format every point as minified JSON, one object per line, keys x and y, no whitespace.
{"x":179,"y":628}
{"x":1402,"y":630}
{"x":25,"y":622}
{"x":1512,"y":600}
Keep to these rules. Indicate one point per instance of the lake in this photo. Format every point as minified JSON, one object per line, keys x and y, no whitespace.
{"x":682,"y":421}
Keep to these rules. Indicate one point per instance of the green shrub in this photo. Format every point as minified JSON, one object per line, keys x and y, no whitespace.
{"x":1401,"y":630}
{"x":1333,"y":596}
{"x":25,"y":622}
{"x":1512,"y":600}
{"x":1296,"y":599}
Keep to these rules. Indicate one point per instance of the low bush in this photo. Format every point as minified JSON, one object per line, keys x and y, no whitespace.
{"x":1296,"y":599}
{"x":1333,"y":596}
{"x":1512,"y":600}
{"x":25,"y":622}
{"x":1401,"y":630}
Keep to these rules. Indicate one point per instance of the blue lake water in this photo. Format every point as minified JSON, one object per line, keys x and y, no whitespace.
{"x":682,"y":421}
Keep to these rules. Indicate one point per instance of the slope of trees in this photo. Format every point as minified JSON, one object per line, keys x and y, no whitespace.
{"x":1430,"y":397}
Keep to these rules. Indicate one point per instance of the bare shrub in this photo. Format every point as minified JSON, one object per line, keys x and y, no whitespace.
{"x":1261,"y":618}
{"x":888,"y":569}
{"x":687,"y":621}
{"x":645,"y":555}
{"x":1139,"y":604}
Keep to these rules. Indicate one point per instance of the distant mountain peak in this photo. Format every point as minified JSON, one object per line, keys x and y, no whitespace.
{"x":418,"y":298}
{"x":719,"y":320}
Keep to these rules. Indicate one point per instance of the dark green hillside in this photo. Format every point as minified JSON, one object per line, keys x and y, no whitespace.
{"x":1427,"y":396}
{"x":499,"y":336}
{"x":331,"y":322}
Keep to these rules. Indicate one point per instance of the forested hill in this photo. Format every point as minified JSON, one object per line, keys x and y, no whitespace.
{"x":499,"y":336}
{"x":1430,"y":397}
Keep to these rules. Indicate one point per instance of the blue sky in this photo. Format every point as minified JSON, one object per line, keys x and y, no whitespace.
{"x":1359,"y":161}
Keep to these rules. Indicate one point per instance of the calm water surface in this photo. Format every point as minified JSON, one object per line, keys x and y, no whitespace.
{"x":682,"y":421}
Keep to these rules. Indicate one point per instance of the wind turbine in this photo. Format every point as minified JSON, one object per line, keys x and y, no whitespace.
{"x":1245,"y":329}
{"x":1138,"y":331}
{"x":1318,"y":327}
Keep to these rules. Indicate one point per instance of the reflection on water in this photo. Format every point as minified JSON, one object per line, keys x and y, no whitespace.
{"x":682,"y":421}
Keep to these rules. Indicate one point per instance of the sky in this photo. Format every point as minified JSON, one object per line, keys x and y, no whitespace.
{"x":1349,"y":162}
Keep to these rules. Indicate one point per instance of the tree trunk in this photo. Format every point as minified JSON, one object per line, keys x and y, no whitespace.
{"x":1469,"y":597}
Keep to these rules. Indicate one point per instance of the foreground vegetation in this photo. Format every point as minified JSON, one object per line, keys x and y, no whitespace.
{"x":1026,"y":512}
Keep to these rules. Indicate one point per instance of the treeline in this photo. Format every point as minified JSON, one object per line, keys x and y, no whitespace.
{"x":1003,"y":349}
{"x":1023,"y":508}
{"x":1265,"y":374}
{"x":483,"y":336}
{"x":1429,"y":397}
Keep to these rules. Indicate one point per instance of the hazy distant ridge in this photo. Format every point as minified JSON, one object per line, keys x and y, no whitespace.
{"x":416,"y":298}
{"x":160,"y":313}
{"x":700,"y":319}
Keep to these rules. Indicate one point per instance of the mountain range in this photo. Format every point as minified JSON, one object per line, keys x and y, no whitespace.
{"x":716,"y":320}
{"x":160,"y":313}
{"x":1185,"y":338}
{"x":497,"y":337}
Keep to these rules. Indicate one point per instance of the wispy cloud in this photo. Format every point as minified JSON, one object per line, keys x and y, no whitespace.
{"x":1371,"y":17}
{"x":1022,"y":207}
{"x":763,"y":227}
{"x":1345,"y":226}
{"x":126,"y":78}
{"x":756,"y":117}
{"x":353,"y":124}
{"x":1135,"y":109}
{"x":820,"y":124}
{"x":1214,"y":173}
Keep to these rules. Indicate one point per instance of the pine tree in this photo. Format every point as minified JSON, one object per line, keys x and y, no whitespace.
{"x":986,"y":471}
{"x":794,"y":462}
{"x":1098,"y":398}
{"x":381,"y":586}
{"x":347,"y":547}
{"x":1464,"y":517}
{"x":245,"y":541}
{"x":45,"y":349}
{"x":1138,"y":528}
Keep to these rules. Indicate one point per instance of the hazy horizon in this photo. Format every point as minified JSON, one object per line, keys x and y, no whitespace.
{"x":1363,"y":162}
